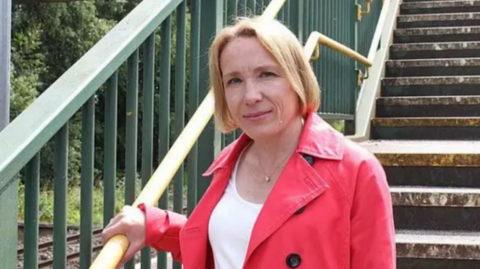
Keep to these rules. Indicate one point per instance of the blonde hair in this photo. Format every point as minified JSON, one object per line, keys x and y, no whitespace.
{"x":284,"y":47}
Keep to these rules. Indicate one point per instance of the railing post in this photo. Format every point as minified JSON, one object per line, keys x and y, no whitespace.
{"x":209,"y":143}
{"x":9,"y":197}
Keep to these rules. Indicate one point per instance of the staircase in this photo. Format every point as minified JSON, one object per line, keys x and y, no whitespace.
{"x":427,"y":134}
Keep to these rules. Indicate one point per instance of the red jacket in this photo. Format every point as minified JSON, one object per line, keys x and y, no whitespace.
{"x":333,"y":214}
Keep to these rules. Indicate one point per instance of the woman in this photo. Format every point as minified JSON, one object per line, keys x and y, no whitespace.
{"x":291,"y":191}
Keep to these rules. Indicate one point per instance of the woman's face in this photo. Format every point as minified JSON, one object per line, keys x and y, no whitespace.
{"x":258,"y":94}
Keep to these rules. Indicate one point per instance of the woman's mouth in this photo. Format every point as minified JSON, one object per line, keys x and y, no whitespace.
{"x":256,"y":115}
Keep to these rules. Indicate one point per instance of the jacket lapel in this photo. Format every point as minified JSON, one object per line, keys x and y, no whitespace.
{"x":298,"y":185}
{"x":194,"y":235}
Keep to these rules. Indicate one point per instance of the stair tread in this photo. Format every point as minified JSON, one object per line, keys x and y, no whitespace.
{"x":447,"y":80}
{"x":439,"y":17}
{"x":427,"y":121}
{"x":439,"y":4}
{"x":429,"y":100}
{"x":422,"y":147}
{"x":439,"y":190}
{"x":436,"y":46}
{"x":435,"y":197}
{"x":437,"y":237}
{"x":434,"y":62}
{"x":438,"y":31}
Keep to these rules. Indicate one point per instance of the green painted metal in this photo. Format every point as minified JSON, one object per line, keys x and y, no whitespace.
{"x":110,"y":142}
{"x":131,"y":135}
{"x":193,"y":90}
{"x":165,"y":50}
{"x":252,"y":6}
{"x":366,"y":27}
{"x":27,"y":134}
{"x":232,"y":10}
{"x":30,"y":238}
{"x":232,"y":13}
{"x":60,"y":199}
{"x":86,"y":189}
{"x":9,"y":225}
{"x":180,"y":66}
{"x":147,"y":124}
{"x":335,"y":72}
{"x":211,"y":21}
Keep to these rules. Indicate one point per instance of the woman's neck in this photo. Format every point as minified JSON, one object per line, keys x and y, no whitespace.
{"x":272,"y":150}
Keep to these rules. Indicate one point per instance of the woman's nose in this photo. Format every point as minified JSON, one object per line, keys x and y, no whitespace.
{"x":253,"y":94}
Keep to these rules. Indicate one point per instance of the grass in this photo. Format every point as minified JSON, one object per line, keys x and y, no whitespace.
{"x":73,"y":204}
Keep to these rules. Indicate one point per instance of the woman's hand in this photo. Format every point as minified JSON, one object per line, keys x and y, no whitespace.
{"x":131,"y":223}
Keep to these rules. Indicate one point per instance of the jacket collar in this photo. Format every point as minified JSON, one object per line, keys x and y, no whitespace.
{"x":318,"y":139}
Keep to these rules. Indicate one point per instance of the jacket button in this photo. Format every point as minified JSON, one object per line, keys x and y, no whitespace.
{"x":300,"y":211}
{"x":293,"y":260}
{"x":309,"y":159}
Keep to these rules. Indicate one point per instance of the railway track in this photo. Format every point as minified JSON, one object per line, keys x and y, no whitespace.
{"x":45,"y":249}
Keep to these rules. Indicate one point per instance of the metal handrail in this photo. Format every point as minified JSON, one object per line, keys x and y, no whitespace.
{"x":35,"y":126}
{"x":316,"y":39}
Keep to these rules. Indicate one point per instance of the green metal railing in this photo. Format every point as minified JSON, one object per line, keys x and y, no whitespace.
{"x":132,"y":44}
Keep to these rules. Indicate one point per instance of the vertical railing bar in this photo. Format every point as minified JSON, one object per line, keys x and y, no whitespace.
{"x":231,"y":14}
{"x":242,"y":8}
{"x":179,"y":105}
{"x":340,"y":59}
{"x":300,"y":19}
{"x":328,"y":61}
{"x":131,"y":135}
{"x":147,"y":124}
{"x":211,"y":15}
{"x":251,"y":6}
{"x":304,"y":14}
{"x":287,"y":12}
{"x":164,"y":124}
{"x":318,"y":28}
{"x":110,"y":152}
{"x":86,"y":191}
{"x":30,"y":239}
{"x":322,"y":65}
{"x":60,"y":199}
{"x":193,"y":97}
{"x":232,"y":10}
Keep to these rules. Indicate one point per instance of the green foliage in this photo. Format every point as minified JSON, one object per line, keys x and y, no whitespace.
{"x":46,"y":204}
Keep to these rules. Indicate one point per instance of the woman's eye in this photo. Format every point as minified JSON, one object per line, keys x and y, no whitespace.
{"x":234,"y":81}
{"x":267,"y":74}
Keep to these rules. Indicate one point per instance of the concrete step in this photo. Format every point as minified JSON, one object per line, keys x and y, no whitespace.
{"x":435,"y":35}
{"x":433,"y":67}
{"x":434,"y":128}
{"x":428,"y":163}
{"x":431,"y":86}
{"x":426,"y":208}
{"x":438,"y":20}
{"x":429,"y":106}
{"x":437,"y":249}
{"x":435,"y":50}
{"x":432,"y":7}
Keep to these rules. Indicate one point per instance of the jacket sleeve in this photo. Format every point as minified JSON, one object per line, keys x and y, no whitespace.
{"x":162,"y":230}
{"x":372,"y":225}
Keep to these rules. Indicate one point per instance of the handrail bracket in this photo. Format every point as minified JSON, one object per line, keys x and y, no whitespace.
{"x":360,"y":12}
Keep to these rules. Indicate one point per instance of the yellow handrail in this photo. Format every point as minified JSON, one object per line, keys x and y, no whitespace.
{"x":316,"y":39}
{"x":114,"y":249}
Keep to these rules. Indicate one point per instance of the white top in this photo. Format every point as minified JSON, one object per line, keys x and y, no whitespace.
{"x":231,"y":225}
